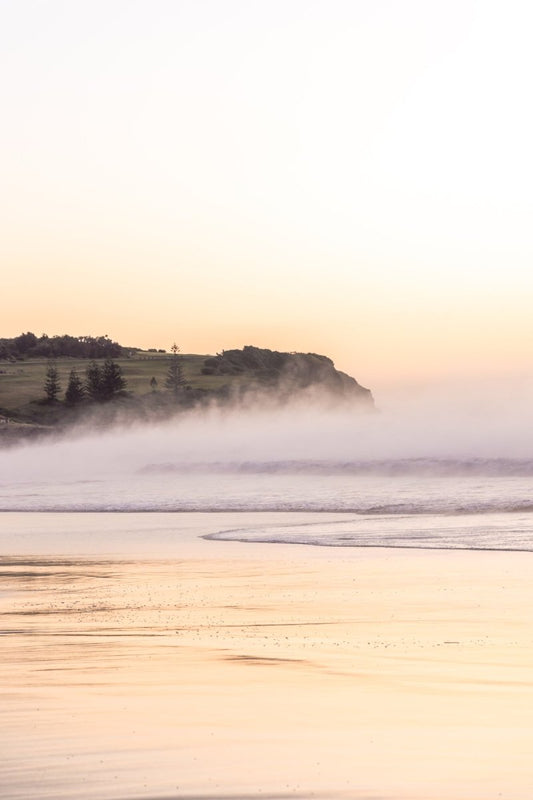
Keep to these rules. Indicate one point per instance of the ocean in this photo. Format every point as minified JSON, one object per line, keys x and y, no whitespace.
{"x":423,"y":503}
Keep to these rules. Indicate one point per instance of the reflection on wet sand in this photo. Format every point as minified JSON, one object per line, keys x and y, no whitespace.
{"x":379,"y":675}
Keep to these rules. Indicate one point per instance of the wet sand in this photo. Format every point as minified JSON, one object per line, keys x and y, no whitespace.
{"x":224,"y":669}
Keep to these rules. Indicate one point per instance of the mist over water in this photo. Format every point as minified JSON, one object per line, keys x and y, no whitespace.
{"x":487,"y":421}
{"x":463,"y":451}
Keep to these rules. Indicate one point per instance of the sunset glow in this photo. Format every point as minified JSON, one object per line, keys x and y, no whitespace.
{"x":348,"y":178}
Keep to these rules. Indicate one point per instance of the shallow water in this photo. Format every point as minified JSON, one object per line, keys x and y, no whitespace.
{"x":481,"y":531}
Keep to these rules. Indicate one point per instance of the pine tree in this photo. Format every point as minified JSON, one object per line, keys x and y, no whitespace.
{"x":175,"y":379}
{"x":52,"y":387}
{"x":93,"y":381}
{"x":104,"y":383}
{"x":75,"y":391}
{"x":113,"y":382}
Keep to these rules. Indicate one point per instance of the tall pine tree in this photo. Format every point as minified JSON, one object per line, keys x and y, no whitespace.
{"x":75,"y":391}
{"x":52,"y":387}
{"x":175,"y":380}
{"x":93,"y":381}
{"x":113,"y":382}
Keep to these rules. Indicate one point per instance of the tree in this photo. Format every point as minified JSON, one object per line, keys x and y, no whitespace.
{"x":113,"y":382}
{"x":93,"y":381}
{"x":52,"y":387}
{"x":75,"y":391}
{"x":175,"y":379}
{"x":25,"y":342}
{"x":104,"y":383}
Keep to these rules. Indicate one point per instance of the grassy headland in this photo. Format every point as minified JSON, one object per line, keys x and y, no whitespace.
{"x":26,"y":411}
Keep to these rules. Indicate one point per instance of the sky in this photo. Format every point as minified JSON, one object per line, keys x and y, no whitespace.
{"x":348,"y":178}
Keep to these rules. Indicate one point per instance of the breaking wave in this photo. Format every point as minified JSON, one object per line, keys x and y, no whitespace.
{"x":500,"y":467}
{"x":469,"y":532}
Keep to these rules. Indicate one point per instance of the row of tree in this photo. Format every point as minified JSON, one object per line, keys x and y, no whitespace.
{"x":28,"y":345}
{"x":103,"y":383}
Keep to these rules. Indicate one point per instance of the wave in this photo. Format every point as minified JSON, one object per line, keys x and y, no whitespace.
{"x":430,"y":533}
{"x":400,"y":487}
{"x":439,"y":467}
{"x":404,"y":510}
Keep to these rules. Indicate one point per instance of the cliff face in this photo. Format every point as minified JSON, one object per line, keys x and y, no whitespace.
{"x":287,"y":372}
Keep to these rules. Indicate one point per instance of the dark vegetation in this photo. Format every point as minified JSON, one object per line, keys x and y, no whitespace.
{"x":284,"y":371}
{"x":68,"y":384}
{"x":175,"y":380}
{"x":52,"y":387}
{"x":28,"y":345}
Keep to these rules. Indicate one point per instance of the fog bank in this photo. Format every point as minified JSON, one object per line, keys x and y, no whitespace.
{"x":480,"y":421}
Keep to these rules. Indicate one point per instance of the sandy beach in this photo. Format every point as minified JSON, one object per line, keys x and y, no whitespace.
{"x":245,"y":670}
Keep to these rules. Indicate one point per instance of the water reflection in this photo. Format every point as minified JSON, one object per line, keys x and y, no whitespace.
{"x":383,"y":675}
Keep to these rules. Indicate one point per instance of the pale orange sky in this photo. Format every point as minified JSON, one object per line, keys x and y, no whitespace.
{"x":349,"y":178}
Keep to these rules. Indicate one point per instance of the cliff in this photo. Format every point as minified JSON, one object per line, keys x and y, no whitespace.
{"x":286,"y":372}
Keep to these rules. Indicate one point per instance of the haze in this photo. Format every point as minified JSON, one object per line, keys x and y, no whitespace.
{"x":349,"y":178}
{"x":461,"y":422}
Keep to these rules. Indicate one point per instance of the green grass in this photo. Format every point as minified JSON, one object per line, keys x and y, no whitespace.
{"x":22,"y":383}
